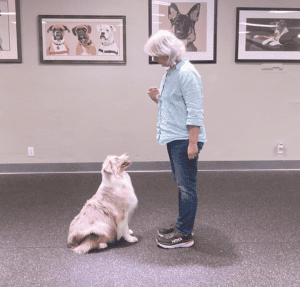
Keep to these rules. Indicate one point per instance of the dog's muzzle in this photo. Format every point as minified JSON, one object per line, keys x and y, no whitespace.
{"x":126,"y":164}
{"x":102,"y":36}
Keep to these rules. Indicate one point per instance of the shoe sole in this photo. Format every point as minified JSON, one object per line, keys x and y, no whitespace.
{"x":163,"y":235}
{"x":184,"y":244}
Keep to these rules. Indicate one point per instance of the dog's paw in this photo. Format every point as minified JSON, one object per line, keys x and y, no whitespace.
{"x":102,"y":245}
{"x":131,"y":239}
{"x":130,"y":231}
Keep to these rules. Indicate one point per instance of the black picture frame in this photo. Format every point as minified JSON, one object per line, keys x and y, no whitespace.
{"x":205,"y":29}
{"x":79,"y":41}
{"x":267,"y":34}
{"x":10,"y":31}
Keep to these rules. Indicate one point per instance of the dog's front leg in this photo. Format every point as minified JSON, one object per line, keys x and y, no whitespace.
{"x":124,"y":231}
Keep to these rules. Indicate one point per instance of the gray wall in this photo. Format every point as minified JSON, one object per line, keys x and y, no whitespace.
{"x":83,"y":113}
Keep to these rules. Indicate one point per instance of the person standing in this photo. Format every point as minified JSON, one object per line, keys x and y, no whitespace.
{"x":180,"y":127}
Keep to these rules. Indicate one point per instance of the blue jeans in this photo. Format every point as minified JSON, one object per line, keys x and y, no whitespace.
{"x":185,"y":174}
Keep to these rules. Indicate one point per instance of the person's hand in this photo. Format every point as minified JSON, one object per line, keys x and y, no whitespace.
{"x":192,"y":151}
{"x":153,"y":92}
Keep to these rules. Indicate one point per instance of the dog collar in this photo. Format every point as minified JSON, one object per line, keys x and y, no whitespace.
{"x":108,"y":51}
{"x":58,"y":43}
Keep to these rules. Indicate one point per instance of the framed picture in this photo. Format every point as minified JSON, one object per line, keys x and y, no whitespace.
{"x":267,"y":35}
{"x":10,"y":32}
{"x":194,"y":22}
{"x":82,"y":39}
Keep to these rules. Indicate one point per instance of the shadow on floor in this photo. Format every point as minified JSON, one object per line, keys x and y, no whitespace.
{"x":211,"y":249}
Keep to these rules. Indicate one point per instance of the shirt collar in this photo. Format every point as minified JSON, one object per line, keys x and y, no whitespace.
{"x":179,"y":64}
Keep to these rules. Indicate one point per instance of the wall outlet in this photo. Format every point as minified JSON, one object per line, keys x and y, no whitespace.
{"x":30,"y":151}
{"x":280,"y":148}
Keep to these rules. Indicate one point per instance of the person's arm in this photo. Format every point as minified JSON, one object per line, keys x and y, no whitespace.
{"x":193,"y":141}
{"x":191,"y":89}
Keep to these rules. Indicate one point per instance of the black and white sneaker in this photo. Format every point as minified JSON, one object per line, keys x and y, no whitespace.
{"x":177,"y":240}
{"x":167,"y":231}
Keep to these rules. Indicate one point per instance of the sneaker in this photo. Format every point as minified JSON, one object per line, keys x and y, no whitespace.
{"x":167,"y":231}
{"x":177,"y":240}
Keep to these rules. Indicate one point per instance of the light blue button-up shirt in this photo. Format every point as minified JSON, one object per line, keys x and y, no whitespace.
{"x":180,"y":104}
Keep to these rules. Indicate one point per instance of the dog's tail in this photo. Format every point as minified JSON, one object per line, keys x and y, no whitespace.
{"x":85,"y":246}
{"x":88,"y":244}
{"x":92,"y":241}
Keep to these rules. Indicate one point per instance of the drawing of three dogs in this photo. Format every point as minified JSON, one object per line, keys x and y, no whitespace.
{"x":85,"y":45}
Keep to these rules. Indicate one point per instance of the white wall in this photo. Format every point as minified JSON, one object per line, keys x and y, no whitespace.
{"x":83,"y":113}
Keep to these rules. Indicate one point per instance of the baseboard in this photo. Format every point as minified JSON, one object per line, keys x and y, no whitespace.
{"x":148,"y":166}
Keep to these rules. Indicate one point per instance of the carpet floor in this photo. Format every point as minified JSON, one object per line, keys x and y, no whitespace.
{"x":247,"y":232}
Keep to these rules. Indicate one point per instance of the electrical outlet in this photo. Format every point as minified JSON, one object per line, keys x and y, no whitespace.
{"x":280,"y":148}
{"x":30,"y":151}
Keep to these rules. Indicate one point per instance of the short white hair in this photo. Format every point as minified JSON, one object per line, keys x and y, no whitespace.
{"x":165,"y":43}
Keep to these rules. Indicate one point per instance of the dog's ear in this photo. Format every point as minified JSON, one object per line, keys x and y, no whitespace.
{"x":89,"y":28}
{"x":50,"y":29}
{"x":66,"y":28}
{"x":109,"y":166}
{"x":194,"y":12}
{"x":113,"y":28}
{"x":74,"y":31}
{"x":173,"y":12}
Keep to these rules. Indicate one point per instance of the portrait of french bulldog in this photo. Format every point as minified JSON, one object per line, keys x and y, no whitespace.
{"x":85,"y":45}
{"x":108,"y":45}
{"x":183,"y":26}
{"x":57,"y":44}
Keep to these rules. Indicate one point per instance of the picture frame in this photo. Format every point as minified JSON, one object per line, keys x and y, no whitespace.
{"x":199,"y":32}
{"x":267,"y":35}
{"x":10,"y":32}
{"x":81,"y":39}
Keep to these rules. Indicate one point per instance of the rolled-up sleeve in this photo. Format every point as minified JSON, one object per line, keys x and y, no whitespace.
{"x":191,"y":88}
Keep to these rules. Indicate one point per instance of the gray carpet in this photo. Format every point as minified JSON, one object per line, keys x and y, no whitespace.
{"x":247,"y":232}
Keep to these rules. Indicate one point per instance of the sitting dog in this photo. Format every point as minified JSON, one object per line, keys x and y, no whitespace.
{"x":58,"y":45}
{"x":108,"y":45}
{"x":85,"y":45}
{"x":279,"y":29}
{"x":104,"y":217}
{"x":183,"y":26}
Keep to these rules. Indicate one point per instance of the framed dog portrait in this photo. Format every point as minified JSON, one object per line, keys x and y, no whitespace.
{"x":82,"y":39}
{"x":10,"y":32}
{"x":194,"y":22}
{"x":267,"y":35}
